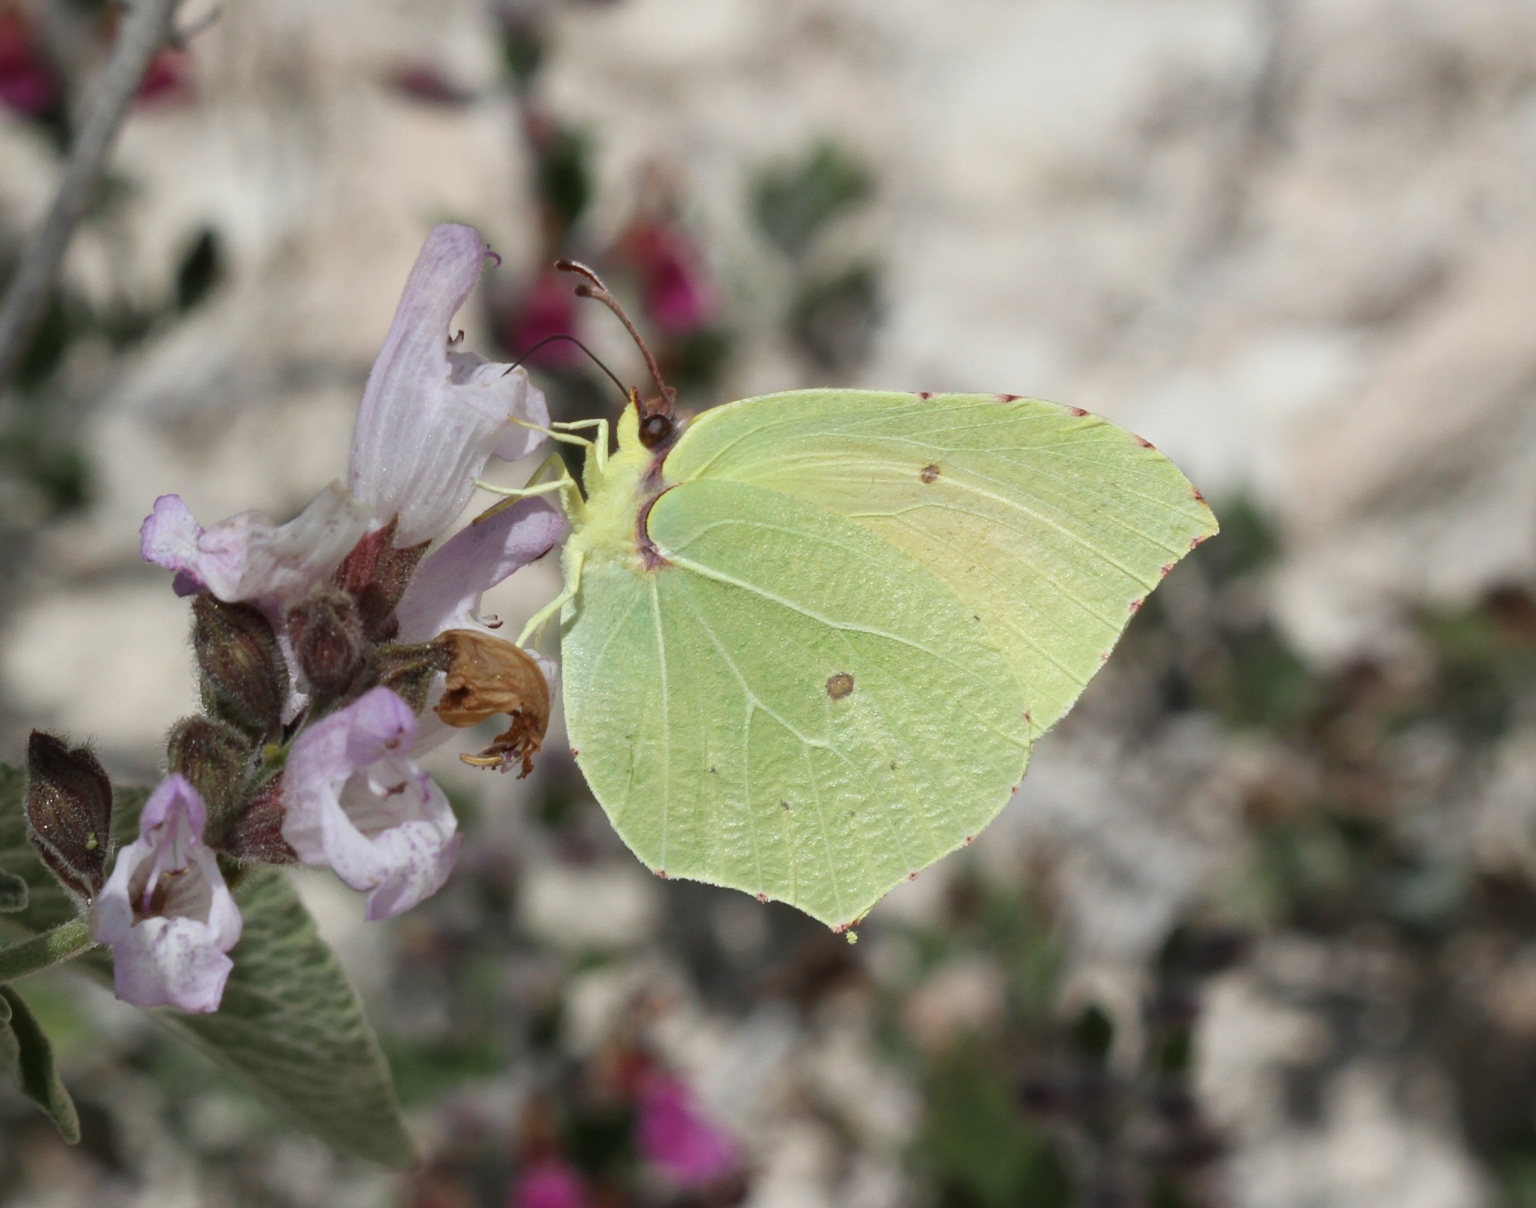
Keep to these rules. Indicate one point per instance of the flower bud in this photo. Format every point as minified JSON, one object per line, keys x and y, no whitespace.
{"x":256,"y":834}
{"x":69,"y":812}
{"x":245,"y":680}
{"x":407,"y":671}
{"x":489,"y":676}
{"x":376,"y":574}
{"x":327,"y":636}
{"x":215,"y":759}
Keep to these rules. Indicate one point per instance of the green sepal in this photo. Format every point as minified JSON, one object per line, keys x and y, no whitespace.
{"x":27,"y":1054}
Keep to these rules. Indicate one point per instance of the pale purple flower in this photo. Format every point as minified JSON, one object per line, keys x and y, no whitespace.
{"x":445,"y":594}
{"x":354,"y":801}
{"x":166,"y":910}
{"x":674,"y":1135}
{"x":549,"y":1184}
{"x":249,"y":558}
{"x":431,"y":416}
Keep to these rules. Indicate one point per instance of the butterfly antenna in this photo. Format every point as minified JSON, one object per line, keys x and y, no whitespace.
{"x":596,"y":360}
{"x":593,"y":287}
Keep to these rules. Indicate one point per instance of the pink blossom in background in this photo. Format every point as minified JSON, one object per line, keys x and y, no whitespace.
{"x":27,"y":83}
{"x":676,"y":297}
{"x":167,"y":79}
{"x":547,"y":309}
{"x":424,"y":81}
{"x":549,"y":1184}
{"x":674,"y":1135}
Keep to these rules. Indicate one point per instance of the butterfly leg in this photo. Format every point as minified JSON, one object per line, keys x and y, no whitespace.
{"x":599,"y":443}
{"x":535,"y":627}
{"x":570,"y":496}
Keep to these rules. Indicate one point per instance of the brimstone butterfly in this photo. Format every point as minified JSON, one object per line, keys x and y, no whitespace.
{"x":809,"y":638}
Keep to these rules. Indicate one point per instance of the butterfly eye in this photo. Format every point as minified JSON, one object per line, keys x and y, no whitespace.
{"x":654,"y":430}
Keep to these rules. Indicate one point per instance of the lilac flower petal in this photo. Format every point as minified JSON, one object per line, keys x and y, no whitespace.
{"x":354,"y":802}
{"x":431,"y":418}
{"x":445,"y":594}
{"x":169,"y":962}
{"x":676,"y":1137}
{"x":166,"y":911}
{"x":169,"y":536}
{"x":247,"y":557}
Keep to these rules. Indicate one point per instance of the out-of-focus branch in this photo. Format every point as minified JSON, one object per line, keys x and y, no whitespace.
{"x":144,"y":30}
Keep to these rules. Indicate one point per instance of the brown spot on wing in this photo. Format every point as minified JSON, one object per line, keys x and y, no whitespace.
{"x":1077,"y":411}
{"x":1144,"y":442}
{"x":840,"y":685}
{"x":928,"y":473}
{"x":1007,"y":398}
{"x":925,"y":395}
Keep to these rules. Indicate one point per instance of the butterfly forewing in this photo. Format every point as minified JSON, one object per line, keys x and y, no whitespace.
{"x":790,"y":705}
{"x":1050,"y":525}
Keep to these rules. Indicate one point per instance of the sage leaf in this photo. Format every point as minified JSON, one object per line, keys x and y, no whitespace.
{"x":291,"y":1025}
{"x":25,"y":1049}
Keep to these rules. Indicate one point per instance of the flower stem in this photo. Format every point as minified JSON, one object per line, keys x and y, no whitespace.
{"x":64,"y":942}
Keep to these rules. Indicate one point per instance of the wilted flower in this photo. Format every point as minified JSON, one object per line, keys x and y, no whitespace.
{"x":166,"y":910}
{"x":445,"y":596}
{"x":676,"y":1137}
{"x":354,"y":801}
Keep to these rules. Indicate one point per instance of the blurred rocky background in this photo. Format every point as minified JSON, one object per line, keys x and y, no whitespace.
{"x":1260,"y":928}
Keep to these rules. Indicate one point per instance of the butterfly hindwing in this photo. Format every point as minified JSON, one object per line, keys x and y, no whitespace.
{"x":790,"y":705}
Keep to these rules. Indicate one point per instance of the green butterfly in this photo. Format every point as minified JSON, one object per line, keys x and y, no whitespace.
{"x":809,"y":638}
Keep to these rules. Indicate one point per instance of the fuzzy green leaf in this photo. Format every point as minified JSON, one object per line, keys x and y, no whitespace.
{"x":26,"y":1052}
{"x":291,"y":1025}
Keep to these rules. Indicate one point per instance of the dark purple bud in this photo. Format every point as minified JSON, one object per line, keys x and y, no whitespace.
{"x":69,"y":812}
{"x":376,"y":574}
{"x":326,"y":631}
{"x":245,"y":680}
{"x":407,"y":671}
{"x":256,"y":834}
{"x":216,"y":759}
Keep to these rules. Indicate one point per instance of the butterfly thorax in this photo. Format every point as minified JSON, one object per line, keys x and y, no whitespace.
{"x":616,"y":497}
